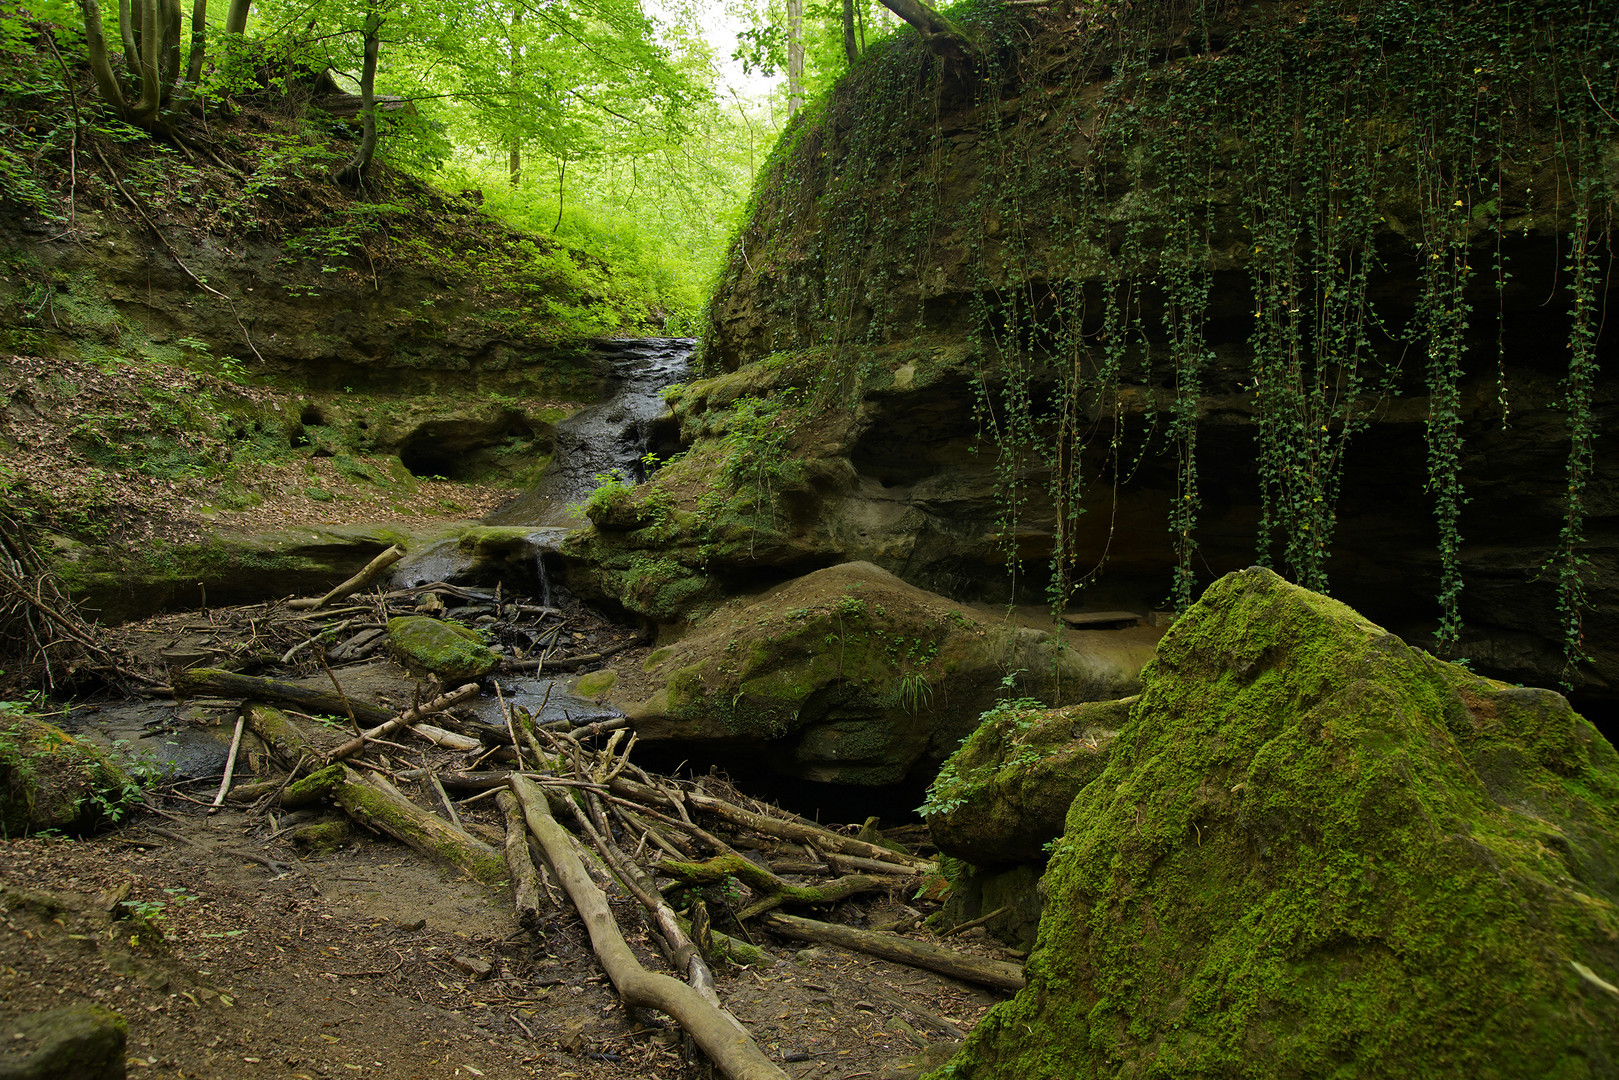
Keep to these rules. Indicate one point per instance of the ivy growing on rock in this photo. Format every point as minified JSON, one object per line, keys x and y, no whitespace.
{"x":1107,"y":178}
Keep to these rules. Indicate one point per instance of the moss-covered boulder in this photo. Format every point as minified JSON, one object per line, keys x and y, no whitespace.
{"x":1317,"y":851}
{"x":446,"y":649}
{"x":51,"y":781}
{"x":849,"y":675}
{"x":1004,"y":795}
{"x":83,"y":1041}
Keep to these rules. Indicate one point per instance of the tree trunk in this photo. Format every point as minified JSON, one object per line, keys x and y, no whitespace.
{"x":168,"y":13}
{"x":230,"y":684}
{"x":147,"y":41}
{"x":100,"y":66}
{"x":850,"y":49}
{"x":515,"y":162}
{"x":795,"y":56}
{"x":941,"y":36}
{"x":199,"y":43}
{"x":354,"y":171}
{"x":236,"y":17}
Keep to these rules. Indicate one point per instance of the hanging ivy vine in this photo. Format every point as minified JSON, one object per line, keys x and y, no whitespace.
{"x":1098,"y":180}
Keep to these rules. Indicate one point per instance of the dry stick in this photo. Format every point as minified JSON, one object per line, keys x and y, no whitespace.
{"x":449,"y":807}
{"x":736,"y":1055}
{"x":786,"y":830}
{"x":409,"y":716}
{"x":372,"y":571}
{"x":980,"y":921}
{"x":525,"y":880}
{"x":975,"y":969}
{"x":286,"y":657}
{"x":230,"y":760}
{"x":569,"y":663}
{"x":506,"y":712}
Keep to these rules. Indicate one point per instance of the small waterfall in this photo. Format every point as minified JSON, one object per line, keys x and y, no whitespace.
{"x":613,"y":436}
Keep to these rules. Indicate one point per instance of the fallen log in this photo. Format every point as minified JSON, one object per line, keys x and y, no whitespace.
{"x":732,"y":1051}
{"x":404,"y":719}
{"x":997,"y":974}
{"x":525,"y":879}
{"x":213,"y":682}
{"x":370,"y":573}
{"x":373,"y":802}
{"x":289,"y":742}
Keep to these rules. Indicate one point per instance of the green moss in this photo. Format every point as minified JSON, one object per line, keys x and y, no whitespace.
{"x":596,"y":684}
{"x":50,"y":781}
{"x":444,"y":648}
{"x":323,"y":837}
{"x":1289,"y":868}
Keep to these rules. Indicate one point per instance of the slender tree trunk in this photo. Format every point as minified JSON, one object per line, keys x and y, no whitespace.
{"x":169,"y":61}
{"x":354,"y":171}
{"x":199,"y":43}
{"x":149,"y":38}
{"x":236,"y":17}
{"x":127,"y":17}
{"x":515,"y":162}
{"x":562,"y":171}
{"x":850,"y":49}
{"x":795,"y":56}
{"x":96,"y":44}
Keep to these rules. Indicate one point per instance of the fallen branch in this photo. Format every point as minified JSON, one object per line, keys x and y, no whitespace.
{"x":405,"y":719}
{"x":770,"y":826}
{"x":230,"y":762}
{"x":525,"y":879}
{"x":772,"y":890}
{"x":372,"y":571}
{"x":200,"y":682}
{"x":373,"y":802}
{"x":997,"y":974}
{"x":732,"y":1051}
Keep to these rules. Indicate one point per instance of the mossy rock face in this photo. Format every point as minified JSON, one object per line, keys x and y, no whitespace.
{"x":51,"y":781}
{"x":1317,"y":851}
{"x":76,"y":1042}
{"x":1004,"y":795}
{"x":849,"y":675}
{"x":444,"y":648}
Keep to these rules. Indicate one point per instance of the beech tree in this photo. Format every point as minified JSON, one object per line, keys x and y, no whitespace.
{"x":150,"y":31}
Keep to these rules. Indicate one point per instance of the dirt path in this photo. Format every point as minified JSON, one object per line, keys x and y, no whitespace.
{"x":369,"y":962}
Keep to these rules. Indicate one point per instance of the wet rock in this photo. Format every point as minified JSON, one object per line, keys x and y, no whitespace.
{"x":1315,"y":849}
{"x":75,"y":1042}
{"x":849,"y":675}
{"x":446,"y":649}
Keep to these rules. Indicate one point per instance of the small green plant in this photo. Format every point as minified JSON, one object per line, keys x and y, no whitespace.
{"x":1017,"y":714}
{"x":612,"y":491}
{"x":911,"y":692}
